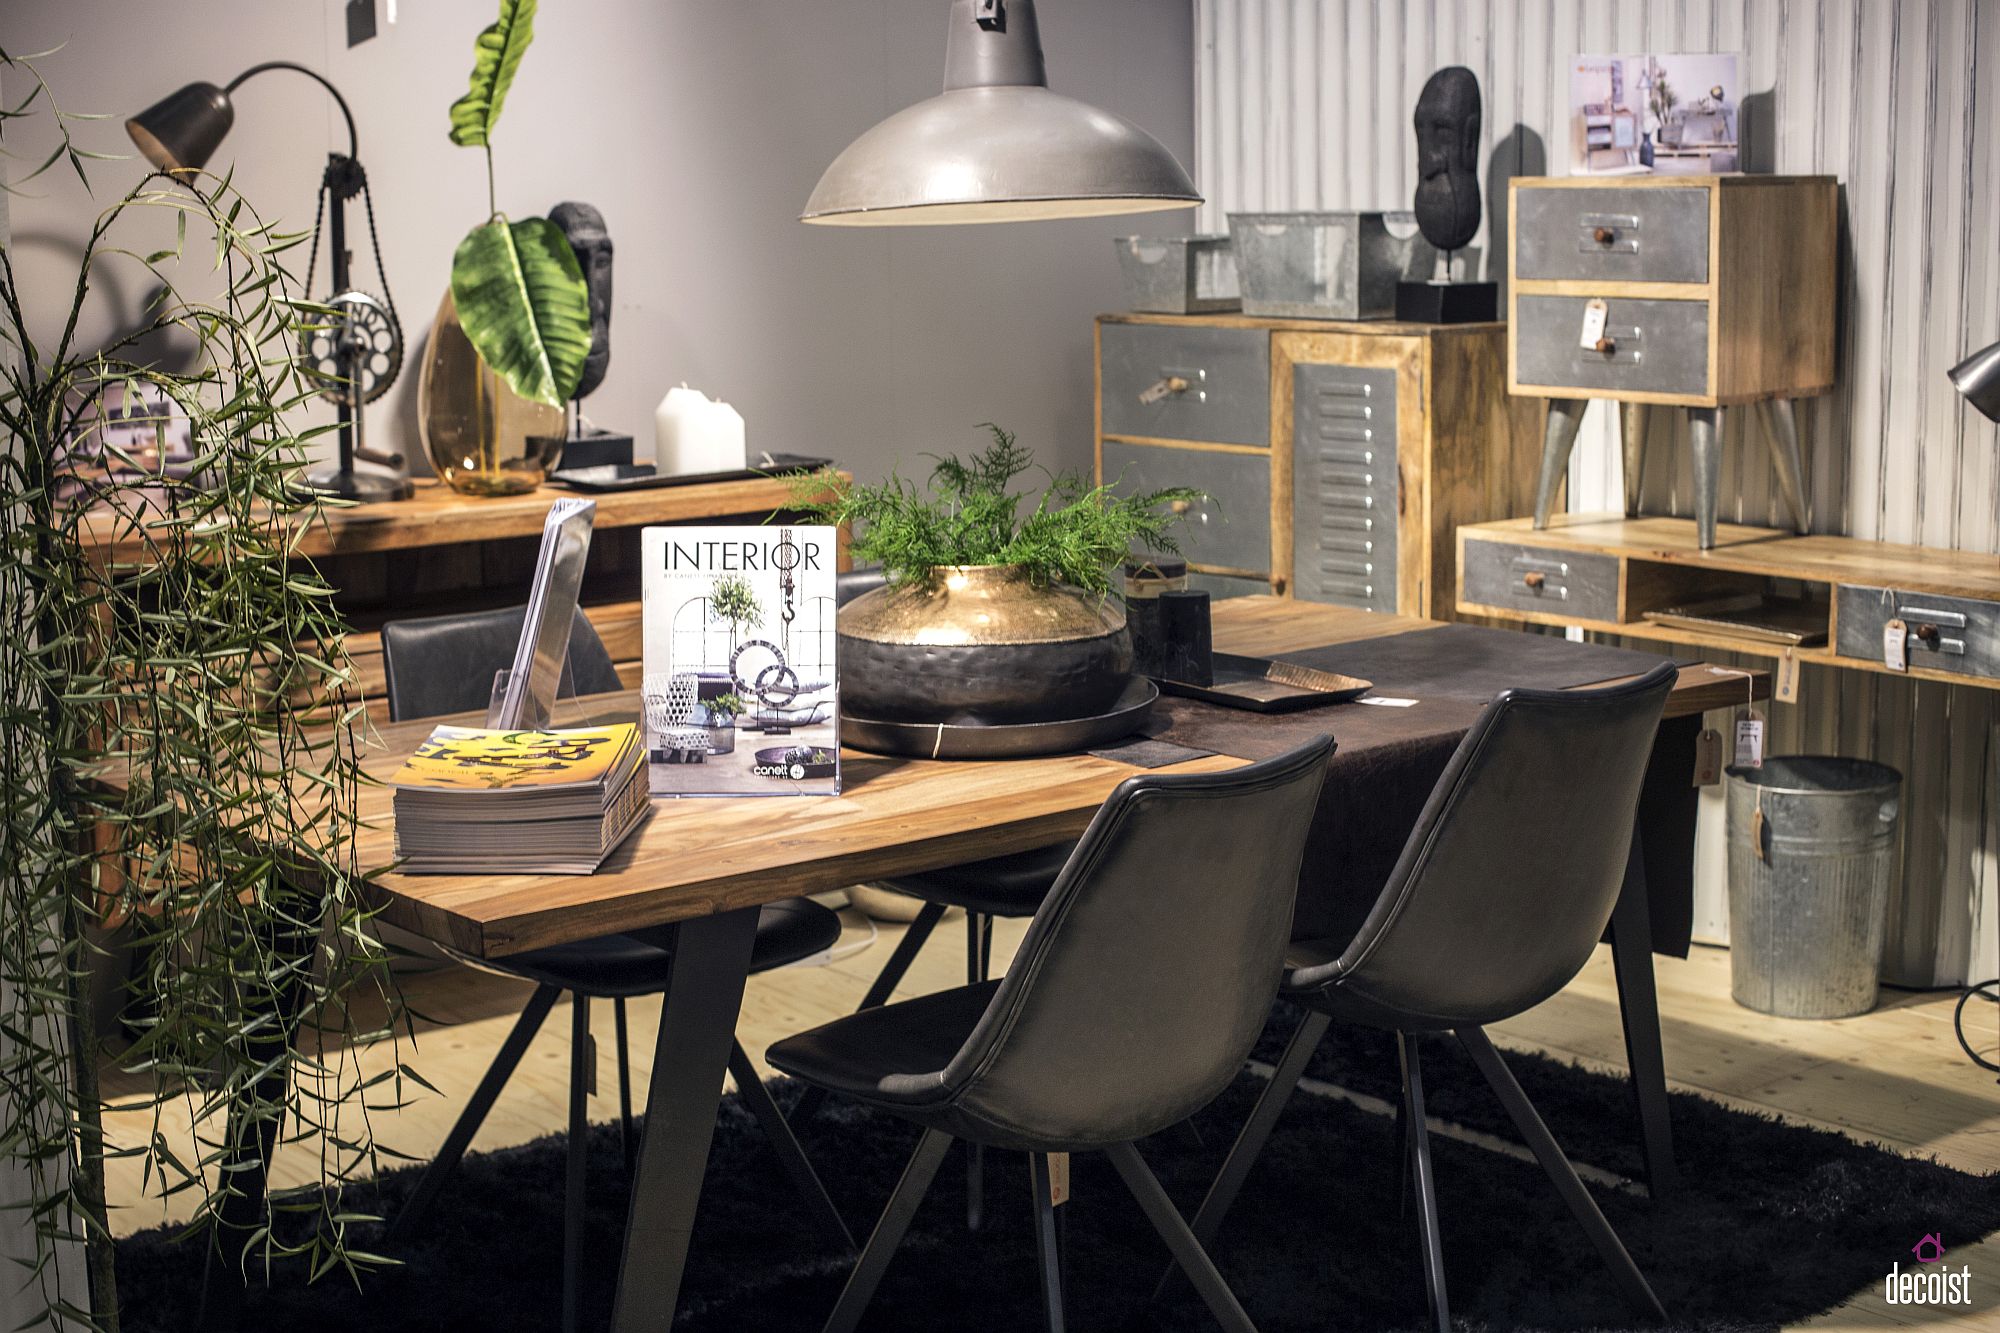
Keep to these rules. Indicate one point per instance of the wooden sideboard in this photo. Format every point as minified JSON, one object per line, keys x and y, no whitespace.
{"x":1338,"y":456}
{"x":440,"y":551}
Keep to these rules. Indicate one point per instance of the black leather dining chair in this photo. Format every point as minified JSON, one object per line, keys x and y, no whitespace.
{"x":1502,"y":891}
{"x":1137,"y":992}
{"x":1001,"y":886}
{"x":446,"y":664}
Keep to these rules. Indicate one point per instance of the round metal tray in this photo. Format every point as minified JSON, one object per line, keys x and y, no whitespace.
{"x":944,"y":740}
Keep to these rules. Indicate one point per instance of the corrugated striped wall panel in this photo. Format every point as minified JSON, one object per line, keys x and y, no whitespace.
{"x":1306,"y":103}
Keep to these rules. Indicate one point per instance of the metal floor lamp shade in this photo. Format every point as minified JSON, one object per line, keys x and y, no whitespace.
{"x":997,"y":145}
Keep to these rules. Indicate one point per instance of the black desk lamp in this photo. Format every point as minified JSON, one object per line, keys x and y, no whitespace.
{"x":355,"y":353}
{"x":1978,"y":378}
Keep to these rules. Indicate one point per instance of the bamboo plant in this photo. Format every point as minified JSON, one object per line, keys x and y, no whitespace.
{"x":167,"y":627}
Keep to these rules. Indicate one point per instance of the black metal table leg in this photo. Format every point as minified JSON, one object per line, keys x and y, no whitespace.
{"x":253,"y":1131}
{"x":1639,"y":1012}
{"x":697,"y":1028}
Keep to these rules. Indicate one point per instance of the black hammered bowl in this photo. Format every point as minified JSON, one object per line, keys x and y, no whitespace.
{"x":983,"y":684}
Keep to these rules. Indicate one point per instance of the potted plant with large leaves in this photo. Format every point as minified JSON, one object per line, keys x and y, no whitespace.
{"x":508,"y":346}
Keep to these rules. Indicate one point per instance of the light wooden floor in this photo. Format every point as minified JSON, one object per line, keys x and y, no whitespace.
{"x":1895,"y":1076}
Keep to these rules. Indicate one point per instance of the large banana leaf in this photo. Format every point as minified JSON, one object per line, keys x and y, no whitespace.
{"x":524,"y":306}
{"x":496,"y":55}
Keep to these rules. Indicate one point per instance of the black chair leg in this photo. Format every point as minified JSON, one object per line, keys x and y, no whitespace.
{"x":879,"y":991}
{"x":888,"y":1233}
{"x":1187,"y":1251}
{"x":418,"y":1206}
{"x":582,"y":1058}
{"x":750,"y":1087}
{"x":1256,"y":1131}
{"x":1560,"y":1173}
{"x":1048,"y":1242}
{"x":975,"y":1154}
{"x":1419,"y":1150}
{"x":1402,"y":1159}
{"x":628,"y":1142}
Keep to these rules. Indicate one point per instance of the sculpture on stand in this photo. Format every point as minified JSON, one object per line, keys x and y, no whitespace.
{"x":588,"y":446}
{"x":1447,"y":204}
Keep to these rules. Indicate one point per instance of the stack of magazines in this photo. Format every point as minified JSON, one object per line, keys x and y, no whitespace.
{"x":505,"y":802}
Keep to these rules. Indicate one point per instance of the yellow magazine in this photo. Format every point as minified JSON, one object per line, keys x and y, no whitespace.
{"x":479,"y":759}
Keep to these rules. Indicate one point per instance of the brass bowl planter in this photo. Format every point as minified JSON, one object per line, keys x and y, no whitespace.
{"x":985,"y":644}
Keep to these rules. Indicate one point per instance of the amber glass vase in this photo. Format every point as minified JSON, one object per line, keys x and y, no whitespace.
{"x":481,"y":436}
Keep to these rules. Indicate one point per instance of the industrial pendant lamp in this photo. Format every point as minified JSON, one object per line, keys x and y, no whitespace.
{"x":997,"y":145}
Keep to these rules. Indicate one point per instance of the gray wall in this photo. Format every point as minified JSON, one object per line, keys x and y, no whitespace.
{"x":1306,"y":103}
{"x":698,"y":127}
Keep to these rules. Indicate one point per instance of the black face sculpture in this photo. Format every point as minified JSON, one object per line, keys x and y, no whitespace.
{"x":1447,"y":123}
{"x":585,"y":228}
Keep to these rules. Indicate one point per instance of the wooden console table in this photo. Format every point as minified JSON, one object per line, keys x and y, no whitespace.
{"x":1604,"y":573}
{"x":440,"y":551}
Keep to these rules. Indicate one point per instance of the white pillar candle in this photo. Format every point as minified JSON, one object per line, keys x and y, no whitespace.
{"x":693,"y":434}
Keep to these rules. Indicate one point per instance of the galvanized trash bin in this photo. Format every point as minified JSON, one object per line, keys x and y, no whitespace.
{"x":1806,"y":918}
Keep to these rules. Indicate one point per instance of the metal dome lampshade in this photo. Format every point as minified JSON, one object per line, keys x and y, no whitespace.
{"x":997,"y":145}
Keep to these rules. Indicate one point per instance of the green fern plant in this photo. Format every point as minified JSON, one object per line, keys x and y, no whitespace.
{"x":165,"y":627}
{"x":970,"y":514}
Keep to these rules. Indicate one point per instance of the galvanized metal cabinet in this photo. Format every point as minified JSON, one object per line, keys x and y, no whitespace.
{"x":1338,"y":457}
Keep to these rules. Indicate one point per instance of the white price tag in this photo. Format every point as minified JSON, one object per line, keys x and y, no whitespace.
{"x":1788,"y":678}
{"x":1708,"y":758}
{"x":1896,"y":645}
{"x":1749,"y":741}
{"x":1594,"y":314}
{"x":1385,"y":701}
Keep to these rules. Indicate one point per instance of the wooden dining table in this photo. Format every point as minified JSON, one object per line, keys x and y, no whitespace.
{"x":703,"y":867}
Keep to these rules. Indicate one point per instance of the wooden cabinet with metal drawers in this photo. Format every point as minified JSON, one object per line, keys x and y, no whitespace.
{"x":1829,"y":601}
{"x":1337,"y":456}
{"x":1700,"y":292}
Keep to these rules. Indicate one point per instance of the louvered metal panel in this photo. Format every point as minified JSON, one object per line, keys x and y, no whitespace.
{"x":1344,"y":486}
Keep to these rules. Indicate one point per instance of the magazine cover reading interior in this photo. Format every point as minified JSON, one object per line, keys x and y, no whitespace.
{"x":741,"y":697}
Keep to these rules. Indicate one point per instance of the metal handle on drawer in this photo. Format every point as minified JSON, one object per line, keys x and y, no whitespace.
{"x":1932,"y":638}
{"x":1948,"y":619}
{"x":1162,"y":387}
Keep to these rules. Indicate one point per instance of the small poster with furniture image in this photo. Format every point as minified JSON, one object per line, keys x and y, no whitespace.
{"x":741,"y":696}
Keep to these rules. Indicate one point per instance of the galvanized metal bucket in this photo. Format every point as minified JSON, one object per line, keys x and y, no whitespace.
{"x":1812,"y":857}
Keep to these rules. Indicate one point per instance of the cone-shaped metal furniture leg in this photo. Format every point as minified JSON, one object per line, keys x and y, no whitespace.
{"x":1633,"y":419}
{"x":1565,"y":415}
{"x":1705,"y":438}
{"x":1781,"y":433}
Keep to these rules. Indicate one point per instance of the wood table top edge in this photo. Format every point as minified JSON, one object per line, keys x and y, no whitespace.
{"x":494,"y":916}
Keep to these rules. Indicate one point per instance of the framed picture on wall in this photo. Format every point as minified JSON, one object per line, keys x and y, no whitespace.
{"x":1655,"y":114}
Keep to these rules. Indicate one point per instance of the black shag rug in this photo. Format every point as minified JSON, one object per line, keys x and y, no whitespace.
{"x":1773,"y":1223}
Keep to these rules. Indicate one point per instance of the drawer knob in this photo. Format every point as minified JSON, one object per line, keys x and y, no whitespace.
{"x":1604,"y":235}
{"x":1180,"y":506}
{"x":1161,"y":388}
{"x":1927,"y":635}
{"x":1534,"y":578}
{"x":1606,"y":345}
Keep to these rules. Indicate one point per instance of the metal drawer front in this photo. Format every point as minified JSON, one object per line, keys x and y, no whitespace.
{"x":1658,"y":346}
{"x":1173,"y":383}
{"x":1229,"y":530}
{"x":1644,"y":235}
{"x":1344,"y":486}
{"x":1532,"y":578}
{"x":1957,"y":634}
